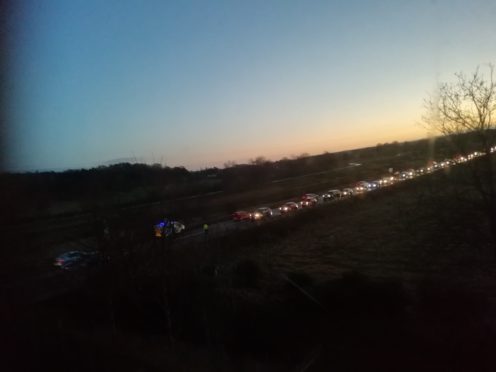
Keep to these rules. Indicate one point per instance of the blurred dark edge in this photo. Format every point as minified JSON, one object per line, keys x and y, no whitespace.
{"x":7,"y":28}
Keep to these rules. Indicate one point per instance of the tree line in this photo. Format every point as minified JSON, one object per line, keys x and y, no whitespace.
{"x":34,"y":193}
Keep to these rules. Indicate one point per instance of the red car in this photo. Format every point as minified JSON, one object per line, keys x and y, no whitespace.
{"x":309,"y":200}
{"x":241,"y":216}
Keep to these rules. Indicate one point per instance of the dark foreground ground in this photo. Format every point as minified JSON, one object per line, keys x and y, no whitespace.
{"x":402,"y":279}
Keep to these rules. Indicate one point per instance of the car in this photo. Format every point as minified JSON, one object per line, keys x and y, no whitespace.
{"x":179,"y":227}
{"x":374,"y":185}
{"x":288,"y":207}
{"x":167,"y":228}
{"x":309,"y":200}
{"x":74,"y":260}
{"x":420,"y":171}
{"x":241,"y":216}
{"x":384,"y":181}
{"x":362,"y":186}
{"x":260,"y":213}
{"x":388,"y":180}
{"x":347,"y":192}
{"x":476,"y":154}
{"x":332,"y":195}
{"x":310,"y":196}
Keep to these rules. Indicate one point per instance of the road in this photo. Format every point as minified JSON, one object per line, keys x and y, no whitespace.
{"x":45,"y":280}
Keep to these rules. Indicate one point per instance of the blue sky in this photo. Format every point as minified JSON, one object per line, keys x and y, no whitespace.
{"x":197,"y":83}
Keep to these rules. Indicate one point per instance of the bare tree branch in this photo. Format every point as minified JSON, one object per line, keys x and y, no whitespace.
{"x":468,"y":105}
{"x":465,"y":105}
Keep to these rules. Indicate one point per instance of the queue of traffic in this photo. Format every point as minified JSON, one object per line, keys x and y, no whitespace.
{"x":167,"y":228}
{"x":312,"y":199}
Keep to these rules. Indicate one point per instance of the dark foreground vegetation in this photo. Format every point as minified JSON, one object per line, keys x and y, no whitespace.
{"x":399,"y":279}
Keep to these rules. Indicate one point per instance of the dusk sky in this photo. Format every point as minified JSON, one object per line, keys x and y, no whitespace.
{"x":198,"y":83}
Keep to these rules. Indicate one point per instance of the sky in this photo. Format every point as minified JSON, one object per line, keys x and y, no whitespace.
{"x":198,"y":83}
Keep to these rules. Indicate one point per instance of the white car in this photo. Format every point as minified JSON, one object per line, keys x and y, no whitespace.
{"x":261,"y":213}
{"x":179,"y":227}
{"x":332,"y":195}
{"x":362,"y":186}
{"x":374,"y":185}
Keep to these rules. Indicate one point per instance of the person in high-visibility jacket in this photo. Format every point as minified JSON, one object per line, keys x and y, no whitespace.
{"x":205,"y":229}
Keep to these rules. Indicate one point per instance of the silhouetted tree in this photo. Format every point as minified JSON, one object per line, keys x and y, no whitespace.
{"x":468,"y":106}
{"x":230,"y":164}
{"x":259,"y":160}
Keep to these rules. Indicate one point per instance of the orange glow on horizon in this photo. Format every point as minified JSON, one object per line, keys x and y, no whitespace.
{"x":295,"y":145}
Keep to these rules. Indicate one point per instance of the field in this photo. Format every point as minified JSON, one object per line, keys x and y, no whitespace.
{"x":33,"y":243}
{"x":398,"y":279}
